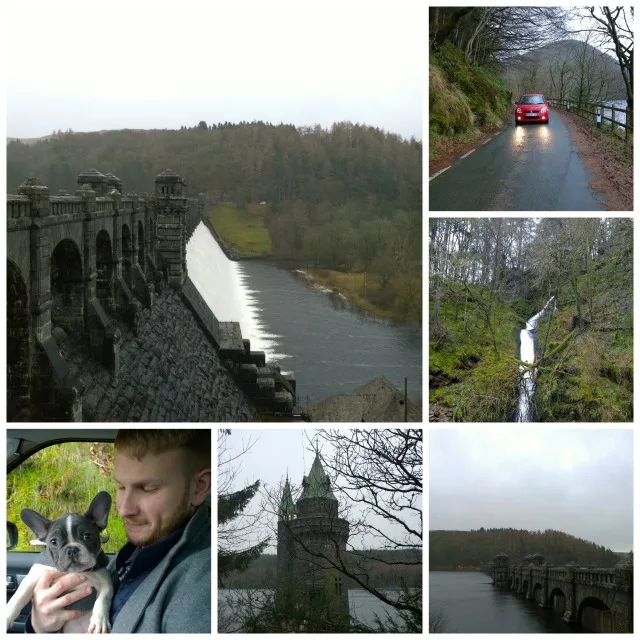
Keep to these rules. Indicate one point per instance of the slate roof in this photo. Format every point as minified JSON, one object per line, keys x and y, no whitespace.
{"x":287,"y":506}
{"x":316,"y":484}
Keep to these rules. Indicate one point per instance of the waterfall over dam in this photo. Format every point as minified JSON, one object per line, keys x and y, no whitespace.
{"x":208,"y":266}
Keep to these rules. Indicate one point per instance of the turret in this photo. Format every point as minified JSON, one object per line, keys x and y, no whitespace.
{"x":287,"y":508}
{"x":171,"y":209}
{"x":312,"y":541}
{"x":96,"y":180}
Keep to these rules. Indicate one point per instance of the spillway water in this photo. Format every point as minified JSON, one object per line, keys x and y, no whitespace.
{"x":329,"y":346}
{"x":528,"y":354}
{"x":208,"y":266}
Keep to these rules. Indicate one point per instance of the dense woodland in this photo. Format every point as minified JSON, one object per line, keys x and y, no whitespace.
{"x":449,"y":550}
{"x":347,"y":198}
{"x":488,"y":276}
{"x":383,"y":574}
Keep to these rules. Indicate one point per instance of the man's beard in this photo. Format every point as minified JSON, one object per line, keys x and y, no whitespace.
{"x":182,"y":513}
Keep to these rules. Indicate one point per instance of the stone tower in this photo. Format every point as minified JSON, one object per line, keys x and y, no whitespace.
{"x":500,"y":571}
{"x":310,"y":536}
{"x":171,"y":211}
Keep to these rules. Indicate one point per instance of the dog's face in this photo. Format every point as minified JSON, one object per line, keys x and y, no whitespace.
{"x":73,"y":540}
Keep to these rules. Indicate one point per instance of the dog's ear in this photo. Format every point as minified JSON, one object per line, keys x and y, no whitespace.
{"x":98,"y":510}
{"x":37,"y":523}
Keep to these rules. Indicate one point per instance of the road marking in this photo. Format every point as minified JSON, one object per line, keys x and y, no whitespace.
{"x":487,"y":140}
{"x":437,"y":173}
{"x":467,"y":154}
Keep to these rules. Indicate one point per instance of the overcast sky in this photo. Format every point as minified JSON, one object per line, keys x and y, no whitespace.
{"x":275,"y":453}
{"x":576,"y":481}
{"x":109,"y":65}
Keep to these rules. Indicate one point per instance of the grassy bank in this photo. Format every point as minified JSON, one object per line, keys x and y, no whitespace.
{"x":464,"y":100}
{"x":586,"y":375}
{"x":398,"y":301}
{"x":473,"y":377}
{"x":242,"y":231}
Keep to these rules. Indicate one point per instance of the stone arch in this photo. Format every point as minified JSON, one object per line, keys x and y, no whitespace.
{"x":126,"y":254}
{"x":557,"y":600}
{"x":141,"y":247}
{"x":525,"y":587}
{"x":67,"y":288}
{"x":538,"y":594}
{"x":18,"y":351}
{"x":594,"y":615}
{"x":105,"y":269}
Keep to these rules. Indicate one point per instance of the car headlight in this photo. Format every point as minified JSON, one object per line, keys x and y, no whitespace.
{"x":543,"y":110}
{"x":518,"y":110}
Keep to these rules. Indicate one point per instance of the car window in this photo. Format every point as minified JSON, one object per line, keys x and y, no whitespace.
{"x":532,"y":100}
{"x":63,"y":478}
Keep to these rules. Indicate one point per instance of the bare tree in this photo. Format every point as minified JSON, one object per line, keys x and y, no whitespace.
{"x":614,"y":27}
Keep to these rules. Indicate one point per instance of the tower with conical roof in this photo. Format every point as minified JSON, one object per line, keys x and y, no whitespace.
{"x":311,"y":536}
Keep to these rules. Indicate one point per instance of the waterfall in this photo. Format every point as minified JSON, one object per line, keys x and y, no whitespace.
{"x":223,"y":286}
{"x":527,"y":354}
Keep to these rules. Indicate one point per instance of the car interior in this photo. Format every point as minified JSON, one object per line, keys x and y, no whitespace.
{"x":22,"y":444}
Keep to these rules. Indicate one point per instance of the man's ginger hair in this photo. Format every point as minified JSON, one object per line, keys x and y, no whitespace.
{"x":196,"y":443}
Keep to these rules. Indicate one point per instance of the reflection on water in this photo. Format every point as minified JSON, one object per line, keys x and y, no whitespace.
{"x":471,"y":604}
{"x":332,"y":347}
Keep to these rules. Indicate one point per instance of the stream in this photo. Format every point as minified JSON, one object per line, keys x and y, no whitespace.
{"x":528,"y":354}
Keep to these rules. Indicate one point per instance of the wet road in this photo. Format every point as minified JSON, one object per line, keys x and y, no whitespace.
{"x":533,"y":167}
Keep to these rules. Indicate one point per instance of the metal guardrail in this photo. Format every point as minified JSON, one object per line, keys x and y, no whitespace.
{"x":594,"y":112}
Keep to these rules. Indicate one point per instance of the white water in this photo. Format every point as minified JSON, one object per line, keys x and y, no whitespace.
{"x":222,"y":284}
{"x":527,"y":354}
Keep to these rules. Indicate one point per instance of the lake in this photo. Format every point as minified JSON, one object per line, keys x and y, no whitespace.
{"x":329,"y":346}
{"x":362,"y":605}
{"x":471,"y":604}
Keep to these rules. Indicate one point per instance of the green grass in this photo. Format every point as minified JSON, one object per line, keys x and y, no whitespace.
{"x":63,"y":479}
{"x":478,"y":381}
{"x":462,"y":97}
{"x":390,"y":303}
{"x":590,"y":379}
{"x":242,"y":231}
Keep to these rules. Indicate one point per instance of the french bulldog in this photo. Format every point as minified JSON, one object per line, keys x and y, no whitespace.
{"x":72,"y":544}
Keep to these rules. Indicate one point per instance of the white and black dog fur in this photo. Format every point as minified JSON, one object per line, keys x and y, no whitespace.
{"x":72,"y":544}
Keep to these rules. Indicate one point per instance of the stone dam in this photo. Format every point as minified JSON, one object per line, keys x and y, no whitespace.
{"x":104,"y":323}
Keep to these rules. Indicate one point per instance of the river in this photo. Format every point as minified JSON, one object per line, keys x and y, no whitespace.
{"x":233,"y":602}
{"x":528,"y":354}
{"x":471,"y":604}
{"x":330,"y":346}
{"x":618,"y":104}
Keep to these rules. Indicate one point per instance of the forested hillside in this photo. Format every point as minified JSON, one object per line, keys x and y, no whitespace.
{"x":450,"y":549}
{"x":348,"y":198}
{"x":262,"y":573}
{"x":488,"y":276}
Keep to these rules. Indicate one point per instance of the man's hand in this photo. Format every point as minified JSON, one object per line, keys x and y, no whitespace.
{"x":48,"y":613}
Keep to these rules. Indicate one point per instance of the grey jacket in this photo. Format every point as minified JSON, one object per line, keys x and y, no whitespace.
{"x":176,"y":596}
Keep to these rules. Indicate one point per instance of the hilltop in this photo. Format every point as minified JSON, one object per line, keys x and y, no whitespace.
{"x":450,"y":549}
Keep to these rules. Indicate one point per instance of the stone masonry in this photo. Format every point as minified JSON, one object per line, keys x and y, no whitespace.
{"x":311,"y":539}
{"x":103,"y":322}
{"x":596,"y":598}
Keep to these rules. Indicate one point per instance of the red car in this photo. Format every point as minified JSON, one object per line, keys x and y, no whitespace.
{"x":532,"y":107}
